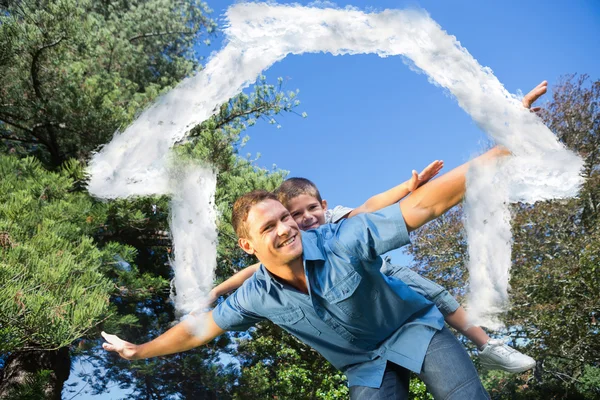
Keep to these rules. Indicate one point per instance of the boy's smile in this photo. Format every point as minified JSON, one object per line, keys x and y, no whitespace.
{"x":307,"y":211}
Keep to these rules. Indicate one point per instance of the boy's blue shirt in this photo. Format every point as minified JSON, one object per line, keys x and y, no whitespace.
{"x":357,"y":318}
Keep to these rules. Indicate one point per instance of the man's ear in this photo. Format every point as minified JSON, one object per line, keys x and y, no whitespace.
{"x":324,"y":204}
{"x":246,"y":245}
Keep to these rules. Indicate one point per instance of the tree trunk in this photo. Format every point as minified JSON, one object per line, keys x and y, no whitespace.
{"x":21,"y":369}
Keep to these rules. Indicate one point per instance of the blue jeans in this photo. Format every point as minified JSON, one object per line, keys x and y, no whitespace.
{"x":433,"y":292}
{"x":447,"y":371}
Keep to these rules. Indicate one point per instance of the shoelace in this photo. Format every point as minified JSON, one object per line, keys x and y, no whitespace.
{"x":499,"y":346}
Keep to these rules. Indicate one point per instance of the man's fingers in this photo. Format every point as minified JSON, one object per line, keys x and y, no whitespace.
{"x":113,"y":342}
{"x":109,"y":338}
{"x":535,"y":94}
{"x":108,"y":347}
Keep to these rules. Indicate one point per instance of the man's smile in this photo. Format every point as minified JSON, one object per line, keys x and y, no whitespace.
{"x":288,"y":242}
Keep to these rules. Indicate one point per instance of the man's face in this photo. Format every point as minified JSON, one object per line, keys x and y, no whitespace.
{"x":274,"y":237}
{"x":307,"y":211}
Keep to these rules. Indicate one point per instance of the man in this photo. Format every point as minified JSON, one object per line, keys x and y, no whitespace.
{"x":324,"y":287}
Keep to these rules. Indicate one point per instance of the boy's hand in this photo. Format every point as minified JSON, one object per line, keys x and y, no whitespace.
{"x":533,"y":95}
{"x":125,"y":349}
{"x":429,"y":172}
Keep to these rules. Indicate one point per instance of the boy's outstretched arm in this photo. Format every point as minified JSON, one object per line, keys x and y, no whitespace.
{"x":435,"y":198}
{"x":175,"y":340}
{"x":233,"y":282}
{"x":397,"y":193}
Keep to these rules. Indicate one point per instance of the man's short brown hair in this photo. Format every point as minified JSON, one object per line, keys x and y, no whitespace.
{"x":242,"y":207}
{"x":294,"y":187}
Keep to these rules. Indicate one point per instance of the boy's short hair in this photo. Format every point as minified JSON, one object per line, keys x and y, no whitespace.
{"x":294,"y":187}
{"x":241,"y":209}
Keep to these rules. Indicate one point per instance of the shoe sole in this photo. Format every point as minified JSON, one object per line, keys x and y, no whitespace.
{"x":489,"y":367}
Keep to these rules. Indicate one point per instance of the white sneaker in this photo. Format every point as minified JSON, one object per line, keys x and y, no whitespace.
{"x":497,"y":355}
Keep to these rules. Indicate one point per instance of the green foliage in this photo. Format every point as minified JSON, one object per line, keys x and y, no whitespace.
{"x":418,"y":390}
{"x":589,"y":383}
{"x":74,"y":71}
{"x":52,"y":290}
{"x":276,"y":365}
{"x":556,"y":252}
{"x":34,"y":387}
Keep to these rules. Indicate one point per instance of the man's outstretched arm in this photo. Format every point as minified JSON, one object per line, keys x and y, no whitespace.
{"x":438,"y":196}
{"x":175,"y":340}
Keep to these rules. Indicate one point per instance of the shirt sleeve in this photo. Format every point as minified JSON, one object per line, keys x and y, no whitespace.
{"x":233,"y":314}
{"x":336,"y":214}
{"x":367,"y":236}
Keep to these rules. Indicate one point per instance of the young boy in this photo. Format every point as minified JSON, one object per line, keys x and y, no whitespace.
{"x":303,"y":200}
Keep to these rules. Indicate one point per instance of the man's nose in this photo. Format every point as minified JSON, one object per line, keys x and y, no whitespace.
{"x":283,"y":229}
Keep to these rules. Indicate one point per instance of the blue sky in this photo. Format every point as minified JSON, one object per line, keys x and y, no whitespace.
{"x":372,"y":120}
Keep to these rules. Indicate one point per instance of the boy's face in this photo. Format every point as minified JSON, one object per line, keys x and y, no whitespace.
{"x":273,"y":236}
{"x":307,"y":211}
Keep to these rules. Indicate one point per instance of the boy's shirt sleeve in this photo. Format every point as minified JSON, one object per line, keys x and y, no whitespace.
{"x":336,"y":214}
{"x":235,"y":313}
{"x":368,"y":236}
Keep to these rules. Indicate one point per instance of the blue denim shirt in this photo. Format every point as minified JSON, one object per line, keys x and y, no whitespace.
{"x":356,"y":317}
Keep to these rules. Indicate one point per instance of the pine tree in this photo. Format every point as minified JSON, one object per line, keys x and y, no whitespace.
{"x":52,"y":288}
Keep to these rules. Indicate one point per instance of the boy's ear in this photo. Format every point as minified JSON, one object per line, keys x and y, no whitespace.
{"x":324,"y":204}
{"x":246,"y":245}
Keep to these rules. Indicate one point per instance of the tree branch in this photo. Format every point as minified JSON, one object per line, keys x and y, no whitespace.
{"x":153,"y":34}
{"x":16,"y":139}
{"x":35,"y":67}
{"x":17,"y":125}
{"x":231,"y":117}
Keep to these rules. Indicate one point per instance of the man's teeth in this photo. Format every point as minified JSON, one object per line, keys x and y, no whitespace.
{"x":291,"y":240}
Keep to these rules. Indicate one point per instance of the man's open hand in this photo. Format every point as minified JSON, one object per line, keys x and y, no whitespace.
{"x":535,"y":94}
{"x":114,"y":343}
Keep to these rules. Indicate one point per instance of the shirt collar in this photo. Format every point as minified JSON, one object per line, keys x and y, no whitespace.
{"x":311,"y":252}
{"x":310,"y":246}
{"x":268,"y":278}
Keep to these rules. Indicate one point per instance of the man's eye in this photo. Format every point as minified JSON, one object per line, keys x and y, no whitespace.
{"x":268,"y":228}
